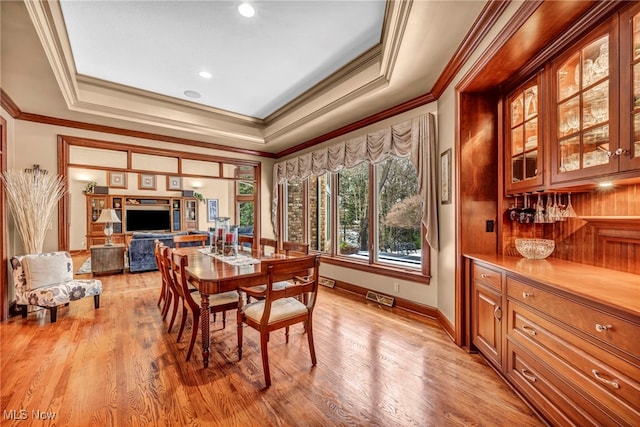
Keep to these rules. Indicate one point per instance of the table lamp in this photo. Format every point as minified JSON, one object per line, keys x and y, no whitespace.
{"x":108,"y":217}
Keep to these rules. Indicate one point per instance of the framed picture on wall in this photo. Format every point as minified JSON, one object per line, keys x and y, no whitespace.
{"x":117,"y":179}
{"x":146,"y":182}
{"x":445,"y":177}
{"x":212,"y":209}
{"x":174,"y":183}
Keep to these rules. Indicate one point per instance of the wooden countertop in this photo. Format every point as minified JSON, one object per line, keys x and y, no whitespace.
{"x":615,"y":289}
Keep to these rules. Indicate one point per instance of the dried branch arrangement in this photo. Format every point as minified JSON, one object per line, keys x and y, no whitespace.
{"x":32,"y":196}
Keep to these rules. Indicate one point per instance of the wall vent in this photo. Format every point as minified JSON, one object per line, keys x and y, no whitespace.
{"x":380,"y":298}
{"x":329,"y":283}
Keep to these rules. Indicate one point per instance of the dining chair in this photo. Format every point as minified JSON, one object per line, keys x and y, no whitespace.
{"x":245,"y":242}
{"x":280,"y":308}
{"x":289,"y":247}
{"x":191,"y":300}
{"x":174,"y":295}
{"x":164,"y":290}
{"x":184,"y":238}
{"x":268,"y":243}
{"x":258,"y":291}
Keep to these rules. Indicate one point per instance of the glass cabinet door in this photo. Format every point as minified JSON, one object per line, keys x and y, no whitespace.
{"x":583,"y":125}
{"x":629,"y":152}
{"x":524,"y":138}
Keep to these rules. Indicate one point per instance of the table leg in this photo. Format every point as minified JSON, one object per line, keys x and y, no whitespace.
{"x":204,"y":321}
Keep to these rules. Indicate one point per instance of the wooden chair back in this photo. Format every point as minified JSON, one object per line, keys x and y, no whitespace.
{"x":164,"y":289}
{"x":289,"y":247}
{"x":245,"y":242}
{"x":301,"y":271}
{"x":268,"y":243}
{"x":183,"y":238}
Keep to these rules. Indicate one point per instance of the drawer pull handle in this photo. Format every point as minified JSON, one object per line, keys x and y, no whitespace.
{"x":529,"y":376}
{"x":603,"y":328}
{"x":497,"y":313}
{"x":484,"y":276}
{"x":526,"y":294}
{"x":612,"y":383}
{"x":529,"y":330}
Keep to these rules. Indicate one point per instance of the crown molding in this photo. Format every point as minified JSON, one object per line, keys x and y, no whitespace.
{"x":94,"y":96}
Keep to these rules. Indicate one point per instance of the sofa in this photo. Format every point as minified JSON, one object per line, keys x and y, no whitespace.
{"x":46,"y":280}
{"x":140,"y":252}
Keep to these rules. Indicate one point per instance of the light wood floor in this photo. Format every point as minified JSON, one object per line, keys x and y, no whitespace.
{"x":117,"y":366}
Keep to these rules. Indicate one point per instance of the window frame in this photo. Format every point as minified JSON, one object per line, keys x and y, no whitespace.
{"x":371,"y":264}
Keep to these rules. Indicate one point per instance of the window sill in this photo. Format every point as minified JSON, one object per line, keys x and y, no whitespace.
{"x":383,"y":270}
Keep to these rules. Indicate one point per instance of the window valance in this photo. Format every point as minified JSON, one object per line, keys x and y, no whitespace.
{"x":414,"y":139}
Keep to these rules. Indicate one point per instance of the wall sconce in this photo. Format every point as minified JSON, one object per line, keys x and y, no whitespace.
{"x":196,"y":184}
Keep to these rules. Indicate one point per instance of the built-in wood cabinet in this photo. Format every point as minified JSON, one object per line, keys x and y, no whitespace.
{"x":629,"y":155}
{"x":584,"y":125}
{"x":570,"y":338}
{"x":577,"y":120}
{"x":183,"y":213}
{"x":487,"y":328}
{"x":95,"y":231}
{"x":523,"y":169}
{"x":190,"y":214}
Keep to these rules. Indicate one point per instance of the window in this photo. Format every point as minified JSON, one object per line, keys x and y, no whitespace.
{"x":320,"y":213}
{"x":399,"y":213}
{"x":353,"y":211}
{"x":295,"y":212}
{"x":377,"y":220}
{"x":245,"y":193}
{"x":362,"y":203}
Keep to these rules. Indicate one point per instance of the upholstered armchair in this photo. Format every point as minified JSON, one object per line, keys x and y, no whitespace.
{"x":46,"y":280}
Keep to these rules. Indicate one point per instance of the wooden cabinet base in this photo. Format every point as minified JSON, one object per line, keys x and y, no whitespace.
{"x":107,"y":259}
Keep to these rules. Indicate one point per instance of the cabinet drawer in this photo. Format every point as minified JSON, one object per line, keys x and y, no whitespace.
{"x":602,"y":326}
{"x":614,"y":392}
{"x":487,"y":276}
{"x":538,"y":385}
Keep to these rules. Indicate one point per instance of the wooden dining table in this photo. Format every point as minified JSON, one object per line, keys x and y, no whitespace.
{"x":211,"y":275}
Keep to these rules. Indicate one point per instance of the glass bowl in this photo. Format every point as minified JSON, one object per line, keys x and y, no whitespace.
{"x":535,"y":248}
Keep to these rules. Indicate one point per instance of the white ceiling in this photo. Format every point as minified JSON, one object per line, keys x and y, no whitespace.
{"x":45,"y":72}
{"x":258,"y":64}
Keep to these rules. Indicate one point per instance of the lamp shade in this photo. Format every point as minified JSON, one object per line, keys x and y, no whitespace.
{"x":108,"y":215}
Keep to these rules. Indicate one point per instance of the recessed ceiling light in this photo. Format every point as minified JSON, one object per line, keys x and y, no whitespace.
{"x":191,"y":94}
{"x":246,"y":10}
{"x":205,"y":74}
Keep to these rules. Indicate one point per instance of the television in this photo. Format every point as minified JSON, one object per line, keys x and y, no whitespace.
{"x":148,"y":219}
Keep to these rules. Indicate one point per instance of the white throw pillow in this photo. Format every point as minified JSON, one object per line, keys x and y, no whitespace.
{"x":47,"y":269}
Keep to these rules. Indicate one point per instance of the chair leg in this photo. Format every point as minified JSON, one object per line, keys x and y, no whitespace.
{"x":163,"y":291}
{"x":96,"y":301}
{"x":24,"y":309}
{"x":194,"y":333}
{"x":183,"y":321}
{"x":312,"y":349}
{"x":175,"y":311}
{"x":265,"y":358}
{"x":167,"y":304}
{"x":239,"y":332}
{"x":54,"y":314}
{"x":224,"y":319}
{"x":286,"y":334}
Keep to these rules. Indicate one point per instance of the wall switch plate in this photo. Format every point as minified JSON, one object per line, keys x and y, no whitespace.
{"x":489,"y":225}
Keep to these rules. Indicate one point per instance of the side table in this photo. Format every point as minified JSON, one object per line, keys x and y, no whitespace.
{"x":107,"y":259}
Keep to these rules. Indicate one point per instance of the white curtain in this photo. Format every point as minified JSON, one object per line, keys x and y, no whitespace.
{"x":414,"y":139}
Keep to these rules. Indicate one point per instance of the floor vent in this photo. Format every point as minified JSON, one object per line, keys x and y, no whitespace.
{"x":329,"y":283}
{"x":380,"y":299}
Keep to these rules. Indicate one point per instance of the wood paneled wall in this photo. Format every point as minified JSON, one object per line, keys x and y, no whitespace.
{"x":610,"y":243}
